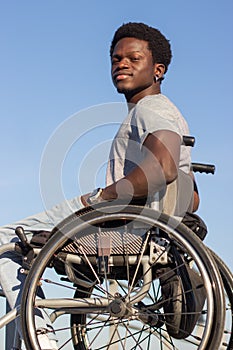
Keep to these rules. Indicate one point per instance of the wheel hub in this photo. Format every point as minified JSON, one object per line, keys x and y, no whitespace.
{"x":117,"y":308}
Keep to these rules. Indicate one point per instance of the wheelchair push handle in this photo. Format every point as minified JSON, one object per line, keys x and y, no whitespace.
{"x":203,"y":168}
{"x":21,"y":234}
{"x":189,"y":141}
{"x":198,"y":167}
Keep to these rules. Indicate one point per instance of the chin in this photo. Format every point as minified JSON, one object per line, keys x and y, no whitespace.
{"x":123,"y":90}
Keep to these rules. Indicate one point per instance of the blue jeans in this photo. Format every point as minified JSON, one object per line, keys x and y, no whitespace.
{"x":11,"y":279}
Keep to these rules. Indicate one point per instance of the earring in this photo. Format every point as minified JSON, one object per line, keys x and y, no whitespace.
{"x":156,"y":78}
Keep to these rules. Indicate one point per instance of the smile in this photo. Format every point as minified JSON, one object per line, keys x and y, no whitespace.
{"x":121,"y":76}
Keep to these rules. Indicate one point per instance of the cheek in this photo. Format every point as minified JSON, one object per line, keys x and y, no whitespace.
{"x":147,"y":69}
{"x":147,"y":75}
{"x":150,"y":71}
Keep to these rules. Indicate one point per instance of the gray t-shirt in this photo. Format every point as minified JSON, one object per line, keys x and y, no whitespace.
{"x":150,"y":114}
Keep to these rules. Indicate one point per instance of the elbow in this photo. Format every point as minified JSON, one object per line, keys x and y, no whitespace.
{"x":171,"y":175}
{"x":196,"y":201}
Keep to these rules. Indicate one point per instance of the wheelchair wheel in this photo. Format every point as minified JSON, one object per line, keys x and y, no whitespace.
{"x":227,"y":340}
{"x":141,"y":281}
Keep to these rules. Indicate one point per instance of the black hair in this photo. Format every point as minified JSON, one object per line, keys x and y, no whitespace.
{"x":157,"y":43}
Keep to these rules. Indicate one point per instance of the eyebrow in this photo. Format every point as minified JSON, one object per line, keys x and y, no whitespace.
{"x":127,"y":53}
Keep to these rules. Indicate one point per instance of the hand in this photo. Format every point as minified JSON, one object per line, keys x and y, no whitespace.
{"x":84,"y":199}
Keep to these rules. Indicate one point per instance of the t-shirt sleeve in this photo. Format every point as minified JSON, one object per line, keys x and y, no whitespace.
{"x":150,"y":119}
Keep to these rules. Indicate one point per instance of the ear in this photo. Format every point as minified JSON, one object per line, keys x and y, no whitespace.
{"x":159,"y":70}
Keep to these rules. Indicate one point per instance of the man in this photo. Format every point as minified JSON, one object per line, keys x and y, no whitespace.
{"x":147,"y":154}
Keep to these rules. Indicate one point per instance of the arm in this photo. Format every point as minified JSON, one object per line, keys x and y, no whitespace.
{"x":196,"y":198}
{"x":159,"y":167}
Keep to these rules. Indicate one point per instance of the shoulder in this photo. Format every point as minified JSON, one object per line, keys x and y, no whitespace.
{"x":158,"y":105}
{"x":158,"y":102}
{"x":160,"y":111}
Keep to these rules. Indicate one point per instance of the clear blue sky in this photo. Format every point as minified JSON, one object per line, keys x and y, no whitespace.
{"x":54,"y":62}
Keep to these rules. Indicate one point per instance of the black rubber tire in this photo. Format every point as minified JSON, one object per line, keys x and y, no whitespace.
{"x":227,"y":279}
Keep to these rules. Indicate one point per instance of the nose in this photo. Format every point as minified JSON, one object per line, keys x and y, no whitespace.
{"x":122,"y":63}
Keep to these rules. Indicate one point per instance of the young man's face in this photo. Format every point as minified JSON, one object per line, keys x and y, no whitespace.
{"x":132,"y":67}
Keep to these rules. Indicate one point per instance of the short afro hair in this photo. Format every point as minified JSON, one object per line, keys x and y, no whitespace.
{"x":157,"y":43}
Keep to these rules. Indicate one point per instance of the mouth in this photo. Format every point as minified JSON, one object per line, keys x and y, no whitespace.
{"x":119,"y":76}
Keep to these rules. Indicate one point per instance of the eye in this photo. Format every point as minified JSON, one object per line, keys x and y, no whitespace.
{"x":115,"y":59}
{"x":135,"y":58}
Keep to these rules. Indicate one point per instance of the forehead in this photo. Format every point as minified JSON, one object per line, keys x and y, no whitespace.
{"x":127,"y":45}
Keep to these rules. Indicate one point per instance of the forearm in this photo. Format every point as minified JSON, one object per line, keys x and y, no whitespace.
{"x":143,"y":181}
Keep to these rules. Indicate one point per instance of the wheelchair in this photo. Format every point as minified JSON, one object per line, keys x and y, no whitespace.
{"x":116,"y":280}
{"x":124,"y":277}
